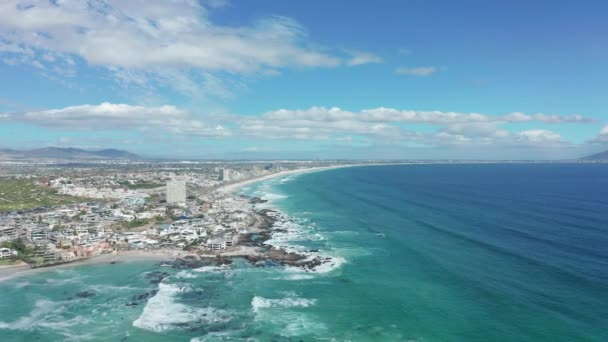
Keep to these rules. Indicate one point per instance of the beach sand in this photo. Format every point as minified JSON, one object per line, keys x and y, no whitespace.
{"x":7,"y":273}
{"x":233,"y":187}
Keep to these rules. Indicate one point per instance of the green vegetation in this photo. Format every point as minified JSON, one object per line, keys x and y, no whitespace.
{"x":80,"y":214}
{"x":154,"y":199}
{"x":20,"y":194}
{"x":25,"y":253}
{"x":141,"y":185}
{"x":131,"y":224}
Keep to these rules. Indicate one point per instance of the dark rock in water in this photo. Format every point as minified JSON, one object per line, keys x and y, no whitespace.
{"x":85,"y":294}
{"x":144,"y":296}
{"x":141,"y":298}
{"x":257,"y":200}
{"x":156,"y":277}
{"x":193,"y":262}
{"x":113,"y":262}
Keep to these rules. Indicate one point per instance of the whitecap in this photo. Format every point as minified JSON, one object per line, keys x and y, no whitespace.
{"x":185,"y":275}
{"x":102,"y":288}
{"x":163,"y":313}
{"x":295,"y":276}
{"x":288,"y":323}
{"x":258,"y":303}
{"x":269,"y":196}
{"x":210,"y":269}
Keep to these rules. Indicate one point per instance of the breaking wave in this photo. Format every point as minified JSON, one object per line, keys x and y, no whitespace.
{"x":163,"y":312}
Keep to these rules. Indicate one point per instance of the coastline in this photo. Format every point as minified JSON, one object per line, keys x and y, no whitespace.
{"x":234,"y":187}
{"x":247,"y":252}
{"x":7,"y":273}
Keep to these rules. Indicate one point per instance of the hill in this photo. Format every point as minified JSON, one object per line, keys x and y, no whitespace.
{"x":603,"y":156}
{"x":598,"y":156}
{"x":69,"y":153}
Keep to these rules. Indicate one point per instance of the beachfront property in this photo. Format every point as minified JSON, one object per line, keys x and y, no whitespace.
{"x":6,"y":253}
{"x":116,"y":209}
{"x":8,"y":231}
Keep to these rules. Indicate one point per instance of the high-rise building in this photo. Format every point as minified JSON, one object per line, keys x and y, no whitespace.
{"x":224,"y":175}
{"x":176,"y":192}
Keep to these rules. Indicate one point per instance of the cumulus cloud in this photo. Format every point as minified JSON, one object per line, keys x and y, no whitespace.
{"x":111,"y":116}
{"x":383,"y":114}
{"x":388,"y":124}
{"x":539,"y":136}
{"x":417,"y":71}
{"x":602,"y":137}
{"x":146,"y":38}
{"x":377,"y":125}
{"x":546,"y":118}
{"x":362,"y":57}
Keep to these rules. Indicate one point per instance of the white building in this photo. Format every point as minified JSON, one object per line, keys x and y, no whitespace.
{"x":7,"y":253}
{"x":224,"y":175}
{"x":176,"y":192}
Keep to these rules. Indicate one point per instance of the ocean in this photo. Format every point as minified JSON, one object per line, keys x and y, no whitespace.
{"x":488,"y":252}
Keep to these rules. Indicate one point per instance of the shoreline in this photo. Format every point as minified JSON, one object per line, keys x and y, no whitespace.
{"x":168,"y":255}
{"x":234,"y":187}
{"x":8,"y":273}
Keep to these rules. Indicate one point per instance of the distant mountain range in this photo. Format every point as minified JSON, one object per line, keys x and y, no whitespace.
{"x":59,"y":153}
{"x":598,"y":156}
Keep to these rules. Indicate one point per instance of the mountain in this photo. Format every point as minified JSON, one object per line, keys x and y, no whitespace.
{"x":111,"y":153}
{"x":68,"y":153}
{"x":599,"y":156}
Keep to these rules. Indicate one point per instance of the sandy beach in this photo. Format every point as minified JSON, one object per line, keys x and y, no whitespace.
{"x":233,"y":187}
{"x":122,"y":256}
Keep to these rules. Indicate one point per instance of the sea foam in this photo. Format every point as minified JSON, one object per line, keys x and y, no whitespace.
{"x":163,"y":312}
{"x":287,"y":322}
{"x":258,"y":303}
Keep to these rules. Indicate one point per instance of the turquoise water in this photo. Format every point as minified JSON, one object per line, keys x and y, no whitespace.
{"x":419,"y":253}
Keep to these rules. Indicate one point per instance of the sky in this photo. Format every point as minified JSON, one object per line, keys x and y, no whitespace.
{"x":259,"y":79}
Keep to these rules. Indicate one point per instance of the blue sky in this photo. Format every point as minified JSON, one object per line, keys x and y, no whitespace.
{"x":306,"y":79}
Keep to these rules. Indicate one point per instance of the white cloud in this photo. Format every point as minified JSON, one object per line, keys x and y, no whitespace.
{"x":388,"y":124}
{"x":417,"y":71}
{"x":539,"y":136}
{"x":602,"y":137}
{"x":379,"y":125}
{"x":148,"y":38}
{"x":362,"y":57}
{"x":383,"y":114}
{"x":111,"y":116}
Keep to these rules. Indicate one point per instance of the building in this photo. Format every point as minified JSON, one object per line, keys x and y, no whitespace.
{"x":8,"y":232}
{"x":39,"y":235}
{"x":176,"y":192}
{"x":7,"y":253}
{"x":224,"y":175}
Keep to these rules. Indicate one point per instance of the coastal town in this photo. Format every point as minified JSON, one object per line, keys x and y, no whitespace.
{"x":107,"y":209}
